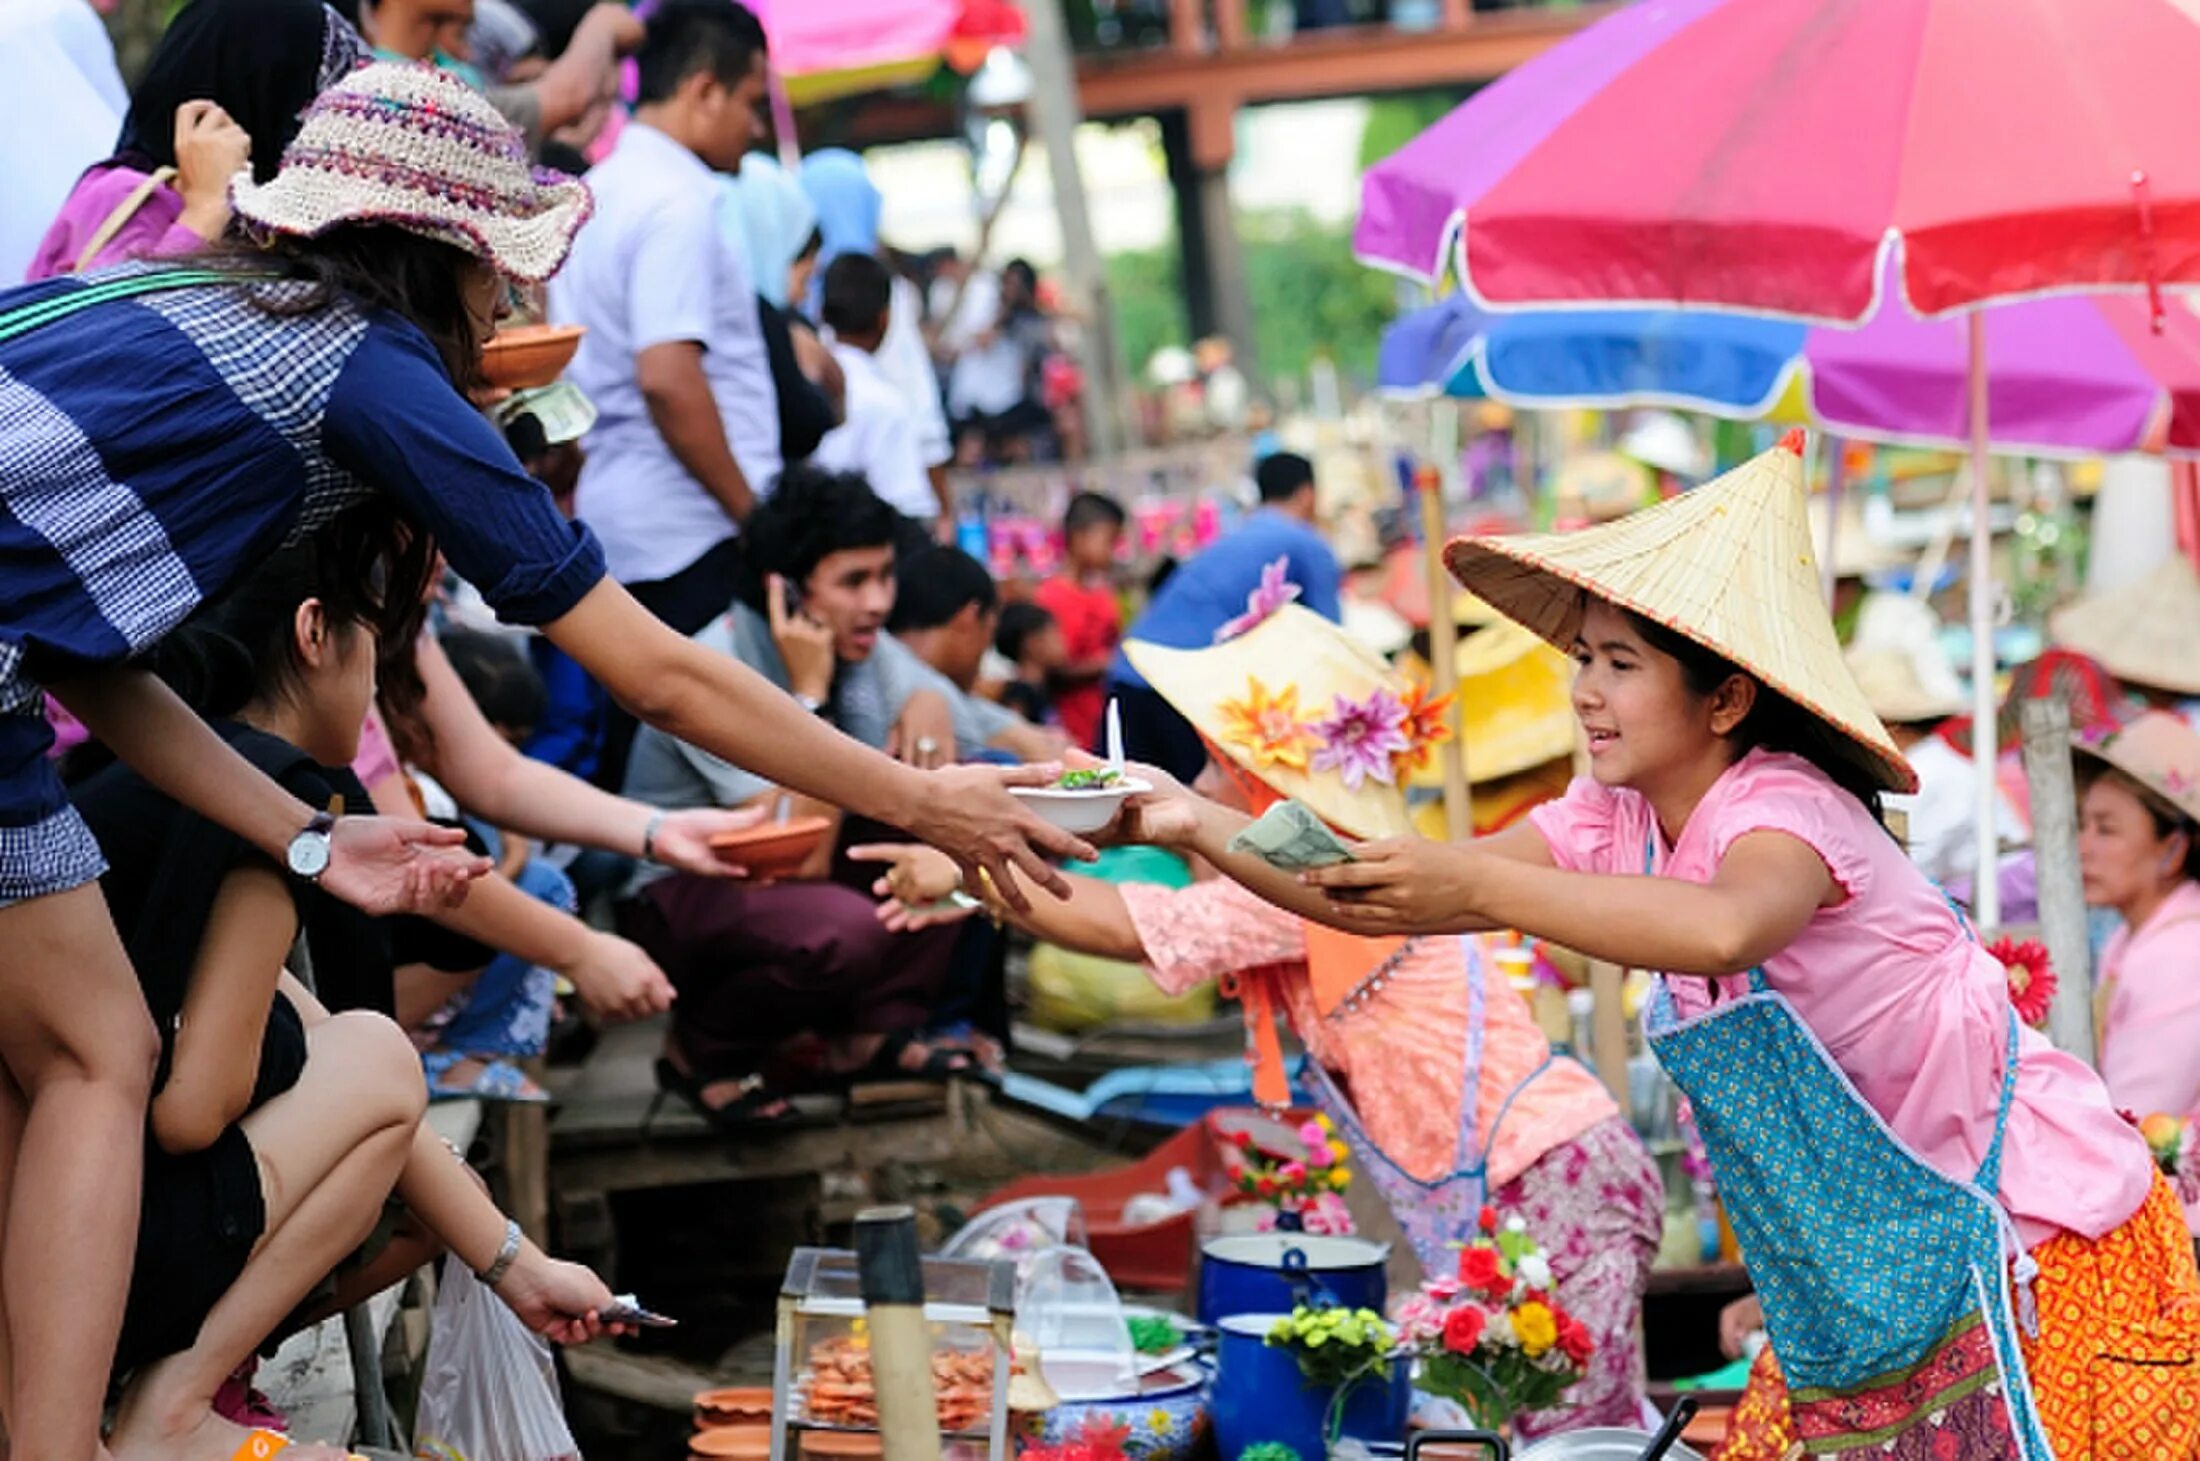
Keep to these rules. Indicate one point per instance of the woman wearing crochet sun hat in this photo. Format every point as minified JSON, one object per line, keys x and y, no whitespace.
{"x":164,"y":429}
{"x":1425,"y":1056}
{"x":1960,"y":1246}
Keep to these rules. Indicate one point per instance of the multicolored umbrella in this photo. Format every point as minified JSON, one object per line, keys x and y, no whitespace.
{"x":1764,"y":155}
{"x":2075,"y":375}
{"x":1761,"y":154}
{"x":832,"y":48}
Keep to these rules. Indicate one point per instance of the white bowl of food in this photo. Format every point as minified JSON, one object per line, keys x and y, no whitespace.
{"x":1083,"y":800}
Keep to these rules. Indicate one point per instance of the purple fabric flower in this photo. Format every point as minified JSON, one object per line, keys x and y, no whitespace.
{"x":1360,"y":737}
{"x":1262,"y":602}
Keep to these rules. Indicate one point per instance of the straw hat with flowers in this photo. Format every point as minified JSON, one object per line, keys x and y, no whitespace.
{"x":1309,"y":711}
{"x":2145,"y":633}
{"x":2161,"y":753}
{"x":415,"y":148}
{"x":1728,"y":565}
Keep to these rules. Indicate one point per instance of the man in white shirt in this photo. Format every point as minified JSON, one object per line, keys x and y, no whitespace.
{"x":877,"y":438}
{"x":687,"y":432}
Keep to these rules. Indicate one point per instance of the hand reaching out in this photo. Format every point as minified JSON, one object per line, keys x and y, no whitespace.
{"x":383,"y":865}
{"x":683,"y":839}
{"x":916,"y":878}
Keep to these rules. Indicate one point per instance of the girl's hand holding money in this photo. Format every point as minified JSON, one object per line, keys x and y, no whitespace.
{"x":1403,"y":885}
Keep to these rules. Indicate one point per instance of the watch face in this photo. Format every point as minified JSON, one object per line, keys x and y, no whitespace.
{"x":308,"y":855}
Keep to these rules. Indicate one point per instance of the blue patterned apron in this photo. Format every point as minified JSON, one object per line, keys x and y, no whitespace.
{"x":1438,"y":1213}
{"x":1886,"y":1285}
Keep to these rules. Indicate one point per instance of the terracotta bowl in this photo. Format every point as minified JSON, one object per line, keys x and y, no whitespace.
{"x":734,"y":1406}
{"x":840,"y":1445}
{"x":526,"y":356}
{"x":775,"y":849}
{"x":739,"y":1442}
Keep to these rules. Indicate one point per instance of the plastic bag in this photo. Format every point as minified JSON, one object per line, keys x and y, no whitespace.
{"x":489,"y":1391}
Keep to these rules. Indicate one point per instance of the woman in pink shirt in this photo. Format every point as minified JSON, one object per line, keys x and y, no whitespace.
{"x":2139,"y":848}
{"x":223,"y":93}
{"x":1423,"y":1053}
{"x":1961,"y":1248}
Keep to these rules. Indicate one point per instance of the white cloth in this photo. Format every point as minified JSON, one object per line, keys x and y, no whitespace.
{"x":60,"y":112}
{"x":650,"y":268}
{"x":906,"y":361}
{"x":1941,"y":811}
{"x":877,"y":438}
{"x":986,"y":379}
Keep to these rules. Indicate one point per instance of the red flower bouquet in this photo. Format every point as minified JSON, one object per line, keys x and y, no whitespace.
{"x":1494,"y":1338}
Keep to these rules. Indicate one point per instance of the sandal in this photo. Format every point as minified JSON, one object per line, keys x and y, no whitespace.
{"x":757,"y":1110}
{"x":237,"y":1401}
{"x":499,"y":1080}
{"x":943,"y":1062}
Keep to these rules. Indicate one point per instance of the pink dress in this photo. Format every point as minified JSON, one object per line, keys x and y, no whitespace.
{"x":1912,"y":1009}
{"x":2150,"y":1038}
{"x":1400,"y":1054}
{"x":152,"y":232}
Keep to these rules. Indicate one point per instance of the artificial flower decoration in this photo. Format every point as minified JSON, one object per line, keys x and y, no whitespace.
{"x":1268,"y":726}
{"x":1362,"y":739}
{"x":1427,"y":726}
{"x":1274,"y":592}
{"x":2031,"y":977}
{"x":1496,"y":1338}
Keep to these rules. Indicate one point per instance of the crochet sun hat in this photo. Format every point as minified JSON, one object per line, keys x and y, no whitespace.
{"x":2160,"y":752}
{"x":408,"y":145}
{"x":2146,"y":632}
{"x":1309,"y":711}
{"x":1728,"y":565}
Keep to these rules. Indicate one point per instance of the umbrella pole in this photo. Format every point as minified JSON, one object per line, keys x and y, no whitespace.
{"x":783,"y":131}
{"x":1443,"y":626}
{"x":1986,"y":898}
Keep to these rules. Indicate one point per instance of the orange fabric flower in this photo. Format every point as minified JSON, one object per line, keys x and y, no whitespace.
{"x":1427,"y":726}
{"x":1269,"y":726}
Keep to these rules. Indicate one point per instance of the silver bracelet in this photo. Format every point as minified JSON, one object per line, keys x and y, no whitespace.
{"x":506,"y":1256}
{"x":649,"y":835}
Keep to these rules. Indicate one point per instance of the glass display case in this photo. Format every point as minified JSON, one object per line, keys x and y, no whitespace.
{"x":822,"y":1391}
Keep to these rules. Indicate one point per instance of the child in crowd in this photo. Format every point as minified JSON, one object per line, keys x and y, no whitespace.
{"x":1030,"y":638}
{"x":496,"y":673}
{"x":877,"y":437}
{"x":1083,"y":602}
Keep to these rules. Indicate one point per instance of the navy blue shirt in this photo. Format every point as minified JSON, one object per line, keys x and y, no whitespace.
{"x":1211,"y":588}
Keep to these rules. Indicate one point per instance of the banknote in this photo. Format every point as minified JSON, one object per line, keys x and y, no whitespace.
{"x":1290,"y":837}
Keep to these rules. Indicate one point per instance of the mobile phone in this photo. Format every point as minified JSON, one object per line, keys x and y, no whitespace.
{"x":626,"y":1309}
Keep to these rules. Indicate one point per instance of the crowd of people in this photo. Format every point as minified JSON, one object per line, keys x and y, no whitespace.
{"x":335,"y":693}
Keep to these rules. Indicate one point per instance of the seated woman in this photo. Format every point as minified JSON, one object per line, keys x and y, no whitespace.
{"x":757,"y":965}
{"x":1428,"y":1060}
{"x":277,"y":1129}
{"x":2139,"y":850}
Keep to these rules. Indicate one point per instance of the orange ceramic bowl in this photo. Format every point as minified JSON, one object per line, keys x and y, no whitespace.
{"x":733,"y":1406}
{"x":738,"y":1442}
{"x":526,"y":356}
{"x":775,"y":849}
{"x":841,"y":1445}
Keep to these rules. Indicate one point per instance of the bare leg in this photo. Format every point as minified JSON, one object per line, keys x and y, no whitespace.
{"x":329,"y":1150}
{"x":75,"y":1038}
{"x":13,"y":1110}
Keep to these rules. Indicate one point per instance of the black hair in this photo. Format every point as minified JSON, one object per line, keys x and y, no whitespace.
{"x":499,"y":676}
{"x":856,"y":294}
{"x":1020,"y":624}
{"x":1281,"y":475}
{"x":687,"y":36}
{"x":261,"y":61}
{"x":1092,"y":510}
{"x":240,"y":647}
{"x":811,"y":246}
{"x":812,"y":513}
{"x":938,"y":583}
{"x":1021,"y":269}
{"x":1774,"y":722}
{"x":2168,"y":820}
{"x":372,"y":266}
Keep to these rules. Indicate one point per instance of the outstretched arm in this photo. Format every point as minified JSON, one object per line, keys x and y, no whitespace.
{"x":1765,"y":890}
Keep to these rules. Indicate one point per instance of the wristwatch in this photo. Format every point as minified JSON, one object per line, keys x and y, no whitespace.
{"x":308,"y":854}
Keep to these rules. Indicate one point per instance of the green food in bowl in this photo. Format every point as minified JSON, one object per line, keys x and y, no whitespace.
{"x":1092,"y":778}
{"x":1153,"y":1334}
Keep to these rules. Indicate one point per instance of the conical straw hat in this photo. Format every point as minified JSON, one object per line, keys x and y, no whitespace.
{"x":2161,"y":753}
{"x":1285,"y":697}
{"x":2146,"y":632}
{"x":1728,"y":565}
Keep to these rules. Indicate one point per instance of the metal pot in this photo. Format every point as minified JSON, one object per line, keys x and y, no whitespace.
{"x":1269,"y":1273}
{"x":1597,"y":1443}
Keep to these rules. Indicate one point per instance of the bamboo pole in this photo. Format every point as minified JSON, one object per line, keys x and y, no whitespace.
{"x":891,"y":1275}
{"x":1986,"y":900}
{"x":1443,"y":628}
{"x":2061,"y":890}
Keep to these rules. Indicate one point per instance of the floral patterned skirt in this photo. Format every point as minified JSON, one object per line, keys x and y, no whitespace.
{"x":2115,"y":1369}
{"x":1597,"y":1205}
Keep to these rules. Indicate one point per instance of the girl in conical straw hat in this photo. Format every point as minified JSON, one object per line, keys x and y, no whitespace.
{"x":1425,"y":1057}
{"x":1960,"y":1246}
